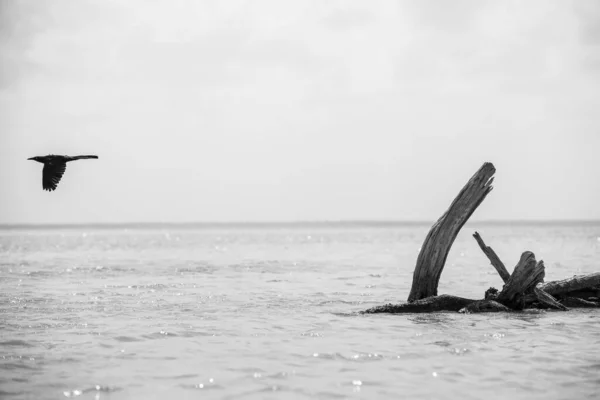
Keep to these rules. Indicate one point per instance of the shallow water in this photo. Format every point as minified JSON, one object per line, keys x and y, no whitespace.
{"x":271,"y":313}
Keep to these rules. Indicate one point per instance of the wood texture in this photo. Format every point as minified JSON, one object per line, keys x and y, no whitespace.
{"x":443,"y":302}
{"x":482,"y":306}
{"x":493,"y":257}
{"x":573,"y":284}
{"x":526,"y":275}
{"x":523,"y":287}
{"x":440,"y":238}
{"x":547,"y":299}
{"x":575,"y":302}
{"x":580,"y":286}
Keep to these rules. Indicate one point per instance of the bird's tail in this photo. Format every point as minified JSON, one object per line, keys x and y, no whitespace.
{"x":81,"y":157}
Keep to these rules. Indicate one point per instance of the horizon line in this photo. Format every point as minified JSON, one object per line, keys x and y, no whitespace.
{"x":298,"y":223}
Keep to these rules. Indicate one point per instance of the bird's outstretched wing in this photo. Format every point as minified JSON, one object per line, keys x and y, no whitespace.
{"x":52,"y":173}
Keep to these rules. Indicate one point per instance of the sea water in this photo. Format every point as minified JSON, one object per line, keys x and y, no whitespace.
{"x":265,"y":312}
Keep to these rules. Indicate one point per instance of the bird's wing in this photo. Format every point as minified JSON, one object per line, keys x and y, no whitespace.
{"x":52,"y":173}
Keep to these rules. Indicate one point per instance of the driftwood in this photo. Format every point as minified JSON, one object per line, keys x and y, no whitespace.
{"x":440,"y":238}
{"x":577,"y":302}
{"x":443,"y":302}
{"x":493,"y":257}
{"x":526,"y":275}
{"x":480,"y":306}
{"x":524,"y":288}
{"x":586,"y":287}
{"x":547,"y":299}
{"x":577,"y":283}
{"x":582,"y":287}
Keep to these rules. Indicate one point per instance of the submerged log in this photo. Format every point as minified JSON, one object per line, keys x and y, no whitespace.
{"x":575,"y":302}
{"x":482,"y":306}
{"x":527,"y":274}
{"x":440,"y":238}
{"x":590,"y":294}
{"x":443,"y":302}
{"x":493,"y":257}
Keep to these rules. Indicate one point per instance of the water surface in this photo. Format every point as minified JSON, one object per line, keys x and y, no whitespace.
{"x":270,"y":312}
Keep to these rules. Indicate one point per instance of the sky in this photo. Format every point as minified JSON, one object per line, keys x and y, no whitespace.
{"x":207,"y":111}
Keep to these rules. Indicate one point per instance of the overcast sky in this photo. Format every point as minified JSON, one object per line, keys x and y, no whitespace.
{"x":298,"y":110}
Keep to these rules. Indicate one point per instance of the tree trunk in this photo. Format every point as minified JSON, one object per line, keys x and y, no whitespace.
{"x":438,"y":242}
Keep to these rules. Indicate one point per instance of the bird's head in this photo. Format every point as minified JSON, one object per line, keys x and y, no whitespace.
{"x":38,"y":159}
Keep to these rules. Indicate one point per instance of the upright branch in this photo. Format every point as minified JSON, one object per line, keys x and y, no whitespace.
{"x":493,"y":257}
{"x":440,"y":238}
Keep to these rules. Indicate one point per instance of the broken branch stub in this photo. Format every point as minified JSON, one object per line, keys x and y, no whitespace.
{"x":440,"y":238}
{"x":527,"y":274}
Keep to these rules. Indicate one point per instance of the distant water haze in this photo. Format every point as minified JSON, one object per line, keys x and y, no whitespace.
{"x":299,"y":111}
{"x":317,"y":226}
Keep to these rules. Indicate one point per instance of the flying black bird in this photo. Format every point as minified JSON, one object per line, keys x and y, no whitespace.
{"x":54,"y":168}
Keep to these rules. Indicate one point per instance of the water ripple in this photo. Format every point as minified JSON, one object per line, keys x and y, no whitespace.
{"x":95,"y":388}
{"x":272,"y":314}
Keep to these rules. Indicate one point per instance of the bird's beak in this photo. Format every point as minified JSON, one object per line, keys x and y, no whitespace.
{"x":31,"y":158}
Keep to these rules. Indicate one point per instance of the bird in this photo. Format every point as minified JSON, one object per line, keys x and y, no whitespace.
{"x":54,"y":168}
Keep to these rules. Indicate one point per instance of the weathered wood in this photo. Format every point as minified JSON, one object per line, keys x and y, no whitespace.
{"x":523,"y":287}
{"x":580,"y":286}
{"x":526,"y":275}
{"x":587,"y":294}
{"x":573,"y":284}
{"x":547,"y":299}
{"x":440,"y":238}
{"x":493,"y":257}
{"x":491,"y":294}
{"x":443,"y":302}
{"x":482,"y":306}
{"x":575,"y":302}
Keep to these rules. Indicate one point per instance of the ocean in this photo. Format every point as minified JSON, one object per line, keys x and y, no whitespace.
{"x":270,"y":312}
